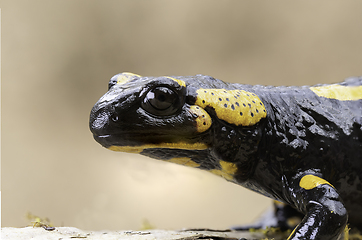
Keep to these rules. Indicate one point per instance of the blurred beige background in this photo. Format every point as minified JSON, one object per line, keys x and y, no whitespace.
{"x":57,"y":59}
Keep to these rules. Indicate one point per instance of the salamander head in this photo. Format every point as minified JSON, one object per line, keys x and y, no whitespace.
{"x":147,"y":112}
{"x":192,"y":121}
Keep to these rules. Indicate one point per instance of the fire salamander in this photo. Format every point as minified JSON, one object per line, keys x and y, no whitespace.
{"x":301,"y":146}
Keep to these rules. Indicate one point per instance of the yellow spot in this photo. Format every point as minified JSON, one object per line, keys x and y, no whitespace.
{"x":180,"y":145}
{"x":228,"y":167}
{"x":339,"y":92}
{"x":203,"y":119}
{"x":125,"y":77}
{"x":346,"y":234}
{"x":133,"y":149}
{"x":180,"y":82}
{"x":184,"y":161}
{"x":227,"y":170}
{"x":278,"y":203}
{"x":291,"y":234}
{"x":310,"y":181}
{"x":236,"y":107}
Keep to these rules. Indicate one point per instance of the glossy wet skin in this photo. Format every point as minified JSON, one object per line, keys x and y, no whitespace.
{"x":299,"y":145}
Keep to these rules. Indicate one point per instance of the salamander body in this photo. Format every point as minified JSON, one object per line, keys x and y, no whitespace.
{"x":301,"y":146}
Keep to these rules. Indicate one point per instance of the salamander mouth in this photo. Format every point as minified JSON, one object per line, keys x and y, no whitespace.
{"x":118,"y":142}
{"x":132,"y":140}
{"x":104,"y":140}
{"x":108,"y":140}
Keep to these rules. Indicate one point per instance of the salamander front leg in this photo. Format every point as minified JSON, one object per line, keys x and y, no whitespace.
{"x":326,"y":216}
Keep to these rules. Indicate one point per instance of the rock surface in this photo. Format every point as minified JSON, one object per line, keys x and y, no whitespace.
{"x":63,"y":233}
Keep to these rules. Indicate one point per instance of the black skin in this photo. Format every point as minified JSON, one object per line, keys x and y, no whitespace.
{"x":302,"y":134}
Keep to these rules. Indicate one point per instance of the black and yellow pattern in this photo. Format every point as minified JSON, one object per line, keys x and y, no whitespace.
{"x":339,"y":92}
{"x":301,"y":146}
{"x":236,"y":107}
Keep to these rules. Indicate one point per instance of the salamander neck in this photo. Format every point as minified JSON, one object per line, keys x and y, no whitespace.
{"x":238,"y":145}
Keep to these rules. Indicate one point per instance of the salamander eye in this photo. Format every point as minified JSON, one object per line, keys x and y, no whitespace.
{"x":161,"y":101}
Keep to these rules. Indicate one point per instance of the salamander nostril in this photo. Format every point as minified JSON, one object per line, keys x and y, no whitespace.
{"x":115,"y":118}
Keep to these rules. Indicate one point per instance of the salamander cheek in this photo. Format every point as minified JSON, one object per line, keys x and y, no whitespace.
{"x":202,"y":118}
